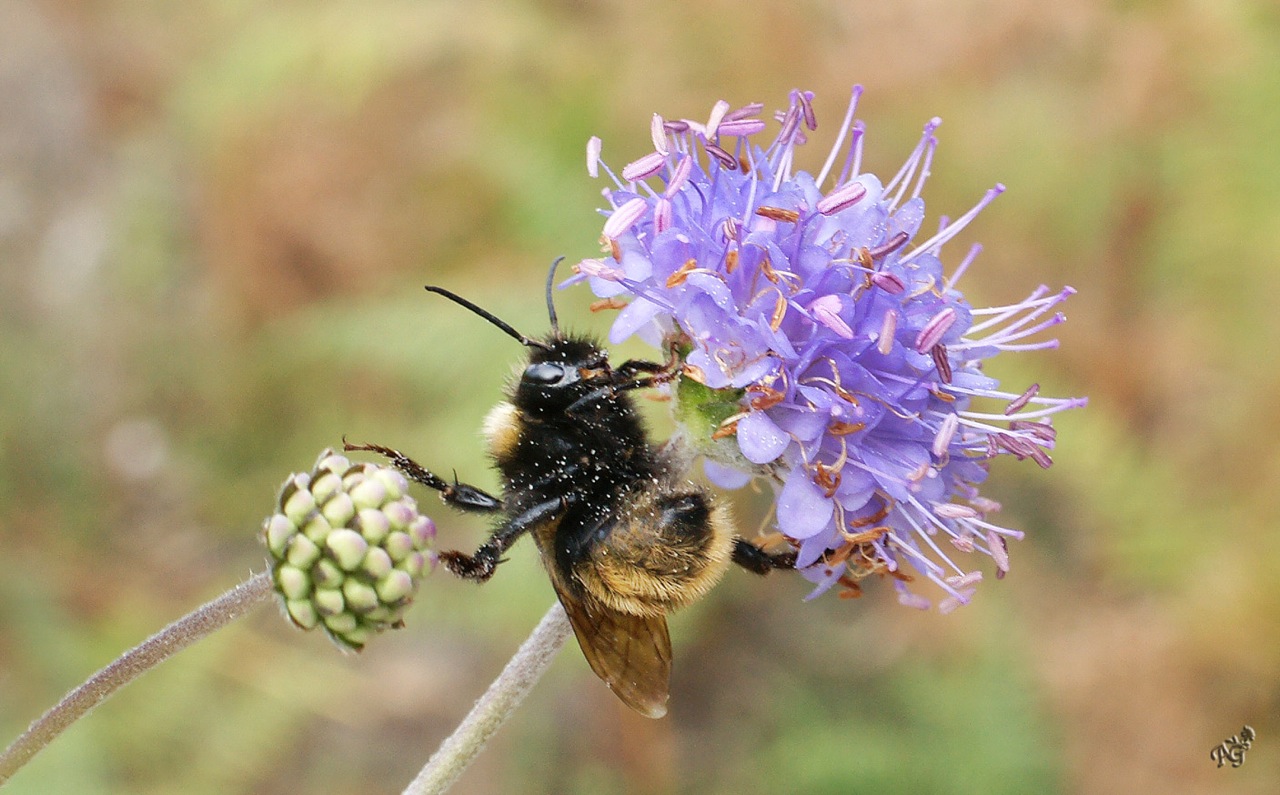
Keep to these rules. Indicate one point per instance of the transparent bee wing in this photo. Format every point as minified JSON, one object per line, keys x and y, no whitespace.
{"x":631,"y":654}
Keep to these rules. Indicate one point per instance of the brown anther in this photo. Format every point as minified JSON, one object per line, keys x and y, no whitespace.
{"x":945,"y":397}
{"x":872,"y":519}
{"x":840,"y":428}
{"x":731,"y":260}
{"x":940,"y":360}
{"x":779,"y":312}
{"x":828,"y":478}
{"x":766,"y":267}
{"x":867,"y":536}
{"x":694,"y":372}
{"x":845,"y":394}
{"x":766,"y":397}
{"x":607,"y":303}
{"x":863,"y":256}
{"x":744,"y":165}
{"x":852,"y":590}
{"x":682,"y":273}
{"x":615,"y":249}
{"x":726,"y":430}
{"x":778,"y":214}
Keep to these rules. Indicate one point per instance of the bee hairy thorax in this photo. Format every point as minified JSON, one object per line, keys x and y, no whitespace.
{"x":634,"y":534}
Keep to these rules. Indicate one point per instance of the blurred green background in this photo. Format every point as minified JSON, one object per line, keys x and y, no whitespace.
{"x":215,"y":220}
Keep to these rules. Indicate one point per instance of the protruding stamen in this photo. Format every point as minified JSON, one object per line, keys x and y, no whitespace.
{"x":594,"y":144}
{"x":946,"y":432}
{"x":934,"y":330}
{"x":888,"y":282}
{"x":826,"y":310}
{"x":722,"y":157}
{"x":778,"y":214}
{"x":942,"y":362}
{"x":953,"y":510}
{"x":658,"y":131}
{"x":745,"y":112}
{"x":662,"y":215}
{"x":625,"y":217}
{"x":842,"y":198}
{"x":645,"y":167}
{"x":999,"y":552}
{"x":718,"y":112}
{"x":679,"y":176}
{"x":889,"y":246}
{"x":888,"y":328}
{"x":598,"y":269}
{"x":1022,"y":400}
{"x":1041,"y":430}
{"x":741,"y":128}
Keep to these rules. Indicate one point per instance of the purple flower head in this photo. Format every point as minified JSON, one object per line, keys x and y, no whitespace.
{"x":824,"y":346}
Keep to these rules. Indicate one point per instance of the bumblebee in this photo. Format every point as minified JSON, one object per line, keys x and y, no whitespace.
{"x":624,"y":536}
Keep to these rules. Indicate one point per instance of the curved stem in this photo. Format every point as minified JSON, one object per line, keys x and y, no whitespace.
{"x":132,"y":664}
{"x":495,"y":706}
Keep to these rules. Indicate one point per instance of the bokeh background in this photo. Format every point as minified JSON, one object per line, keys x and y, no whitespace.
{"x":215,"y":220}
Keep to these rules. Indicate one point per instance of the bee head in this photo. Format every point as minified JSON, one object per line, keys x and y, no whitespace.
{"x":566,"y":372}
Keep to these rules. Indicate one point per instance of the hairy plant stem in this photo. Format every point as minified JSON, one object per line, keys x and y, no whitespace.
{"x":495,"y":706}
{"x":154,"y":650}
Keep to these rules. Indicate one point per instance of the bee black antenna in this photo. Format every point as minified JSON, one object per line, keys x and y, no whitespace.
{"x":551,"y":307}
{"x":489,"y":316}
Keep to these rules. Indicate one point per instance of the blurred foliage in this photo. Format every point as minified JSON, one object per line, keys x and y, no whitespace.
{"x":215,"y":219}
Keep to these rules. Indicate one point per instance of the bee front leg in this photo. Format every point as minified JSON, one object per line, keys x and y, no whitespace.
{"x":753,"y":558}
{"x":484,"y":562}
{"x":462,"y":496}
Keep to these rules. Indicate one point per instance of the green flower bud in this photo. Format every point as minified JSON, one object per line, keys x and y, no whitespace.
{"x":348,"y":548}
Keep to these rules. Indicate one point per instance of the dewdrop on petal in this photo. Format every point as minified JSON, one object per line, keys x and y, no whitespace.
{"x":348,"y":549}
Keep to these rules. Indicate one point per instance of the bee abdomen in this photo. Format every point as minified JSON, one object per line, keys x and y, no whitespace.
{"x":664,"y":551}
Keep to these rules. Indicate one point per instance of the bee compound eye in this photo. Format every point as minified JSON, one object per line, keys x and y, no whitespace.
{"x":544,"y":373}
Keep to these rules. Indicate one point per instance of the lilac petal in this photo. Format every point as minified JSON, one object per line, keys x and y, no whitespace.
{"x":813,"y":548}
{"x":760,"y":440}
{"x":804,"y":424}
{"x":634,"y":315}
{"x":723,"y":476}
{"x":824,"y":576}
{"x":803,"y":510}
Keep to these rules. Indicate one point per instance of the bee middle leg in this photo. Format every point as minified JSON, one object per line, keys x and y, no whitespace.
{"x":462,"y":496}
{"x":754,"y":559}
{"x":484,"y":562}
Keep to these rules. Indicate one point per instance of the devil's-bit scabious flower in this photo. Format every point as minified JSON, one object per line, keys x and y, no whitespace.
{"x":348,"y":548}
{"x":823,"y":345}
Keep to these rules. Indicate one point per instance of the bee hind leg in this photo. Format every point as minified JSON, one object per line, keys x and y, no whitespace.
{"x":754,"y":559}
{"x":462,"y":496}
